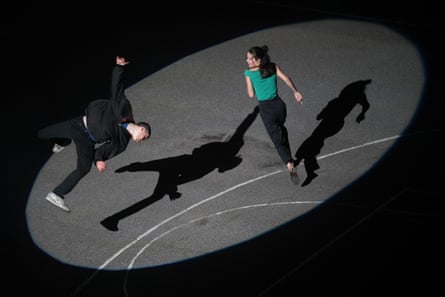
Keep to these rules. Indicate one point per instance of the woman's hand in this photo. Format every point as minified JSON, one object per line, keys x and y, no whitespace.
{"x":298,"y":97}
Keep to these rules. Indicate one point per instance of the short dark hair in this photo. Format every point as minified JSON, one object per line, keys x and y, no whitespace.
{"x":146,"y":126}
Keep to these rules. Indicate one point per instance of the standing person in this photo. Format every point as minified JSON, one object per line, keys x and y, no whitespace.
{"x":261,"y":81}
{"x":102,"y":132}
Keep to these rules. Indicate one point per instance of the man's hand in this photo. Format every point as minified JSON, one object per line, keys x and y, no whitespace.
{"x":101,"y":165}
{"x":121,"y":61}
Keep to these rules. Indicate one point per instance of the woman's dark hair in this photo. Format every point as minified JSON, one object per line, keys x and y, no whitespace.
{"x":267,"y":68}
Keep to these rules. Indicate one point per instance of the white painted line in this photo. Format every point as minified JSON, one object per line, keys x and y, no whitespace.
{"x":325,"y":247}
{"x":109,"y":260}
{"x":358,"y":146}
{"x":217,"y":214}
{"x":130,"y":266}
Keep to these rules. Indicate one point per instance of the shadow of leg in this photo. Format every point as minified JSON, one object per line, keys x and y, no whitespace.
{"x":110,"y":223}
{"x":310,"y":165}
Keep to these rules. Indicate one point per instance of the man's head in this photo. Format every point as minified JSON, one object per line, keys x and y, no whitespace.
{"x":142,"y":131}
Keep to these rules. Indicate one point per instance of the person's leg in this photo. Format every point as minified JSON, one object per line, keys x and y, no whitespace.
{"x":84,"y":149}
{"x":284,"y":147}
{"x":59,"y":133}
{"x":85,"y":157}
{"x":273,"y":115}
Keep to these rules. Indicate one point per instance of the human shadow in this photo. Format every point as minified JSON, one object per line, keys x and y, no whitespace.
{"x":178,"y":170}
{"x":332,"y":118}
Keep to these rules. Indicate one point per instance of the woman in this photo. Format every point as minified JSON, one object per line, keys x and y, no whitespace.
{"x":261,"y":82}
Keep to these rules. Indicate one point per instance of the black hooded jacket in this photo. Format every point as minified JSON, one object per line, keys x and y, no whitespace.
{"x":104,"y":119}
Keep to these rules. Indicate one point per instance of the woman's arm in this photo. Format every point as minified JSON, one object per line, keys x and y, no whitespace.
{"x":250,"y":90}
{"x":288,"y":81}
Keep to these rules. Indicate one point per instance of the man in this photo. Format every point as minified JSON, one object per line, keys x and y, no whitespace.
{"x":103,"y":132}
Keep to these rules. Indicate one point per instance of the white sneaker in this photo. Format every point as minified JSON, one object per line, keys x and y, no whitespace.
{"x":57,"y":148}
{"x":57,"y":201}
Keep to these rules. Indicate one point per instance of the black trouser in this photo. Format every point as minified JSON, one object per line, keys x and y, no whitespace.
{"x":273,"y":113}
{"x":75,"y":130}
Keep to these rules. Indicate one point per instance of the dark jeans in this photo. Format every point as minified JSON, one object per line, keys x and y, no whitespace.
{"x":273,"y":113}
{"x":74,"y":130}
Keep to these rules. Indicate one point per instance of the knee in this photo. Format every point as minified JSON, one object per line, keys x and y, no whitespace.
{"x":84,"y":169}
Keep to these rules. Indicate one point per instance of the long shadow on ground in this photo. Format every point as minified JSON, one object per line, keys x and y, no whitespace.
{"x":332,"y":118}
{"x":178,"y":170}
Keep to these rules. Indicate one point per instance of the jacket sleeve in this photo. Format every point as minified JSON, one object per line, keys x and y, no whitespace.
{"x":117,"y":84}
{"x":120,"y":105}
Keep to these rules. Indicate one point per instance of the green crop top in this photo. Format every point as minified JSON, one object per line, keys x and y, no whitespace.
{"x":265,"y":88}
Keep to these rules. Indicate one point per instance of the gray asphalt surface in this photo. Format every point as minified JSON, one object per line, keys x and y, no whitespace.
{"x":235,"y":195}
{"x":202,"y":111}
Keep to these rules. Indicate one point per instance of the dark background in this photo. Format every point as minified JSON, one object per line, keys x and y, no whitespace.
{"x":55,"y":54}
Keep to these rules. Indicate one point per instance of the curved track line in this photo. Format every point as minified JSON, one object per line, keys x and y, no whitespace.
{"x":327,"y":245}
{"x":214,"y":215}
{"x":182,"y":212}
{"x":109,"y":260}
{"x":229,"y":190}
{"x":130,"y":266}
{"x":358,"y":146}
